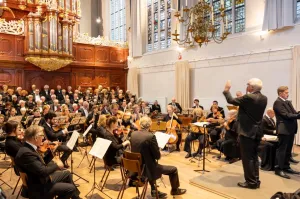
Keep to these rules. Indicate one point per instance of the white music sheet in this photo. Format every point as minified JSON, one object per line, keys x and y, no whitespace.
{"x":271,"y":137}
{"x":87,"y":130}
{"x":72,"y":141}
{"x":100,"y":147}
{"x":200,"y":124}
{"x":162,"y":139}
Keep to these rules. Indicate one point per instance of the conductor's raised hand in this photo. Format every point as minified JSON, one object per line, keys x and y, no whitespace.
{"x":227,"y":85}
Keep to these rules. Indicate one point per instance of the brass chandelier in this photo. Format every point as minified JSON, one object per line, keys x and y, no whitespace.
{"x":200,"y":25}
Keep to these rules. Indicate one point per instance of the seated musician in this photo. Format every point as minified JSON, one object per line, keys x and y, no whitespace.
{"x":114,"y":109}
{"x":216,"y":120}
{"x":220,"y":109}
{"x":114,"y":152}
{"x":176,"y":106}
{"x":51,"y":135}
{"x":136,"y":113}
{"x":45,"y":178}
{"x":128,"y":123}
{"x":123,"y":106}
{"x":145,"y":143}
{"x":156,"y":107}
{"x":36,"y":114}
{"x":145,"y":110}
{"x":196,"y":133}
{"x":196,"y":102}
{"x":228,"y":142}
{"x":2,"y":132}
{"x":168,"y":117}
{"x":14,"y":135}
{"x":101,"y":125}
{"x":268,"y":148}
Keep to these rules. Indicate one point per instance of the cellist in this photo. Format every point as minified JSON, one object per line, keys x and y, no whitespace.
{"x":169,"y":117}
{"x":195,"y":133}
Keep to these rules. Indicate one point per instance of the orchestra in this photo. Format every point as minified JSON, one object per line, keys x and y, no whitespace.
{"x":123,"y":119}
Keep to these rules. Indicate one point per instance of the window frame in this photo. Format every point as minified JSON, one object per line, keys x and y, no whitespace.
{"x":297,"y":18}
{"x":115,"y":17}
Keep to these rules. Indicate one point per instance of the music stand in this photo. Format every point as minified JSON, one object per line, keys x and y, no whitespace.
{"x":203,"y":154}
{"x":85,"y":154}
{"x":98,"y":151}
{"x":71,"y":145}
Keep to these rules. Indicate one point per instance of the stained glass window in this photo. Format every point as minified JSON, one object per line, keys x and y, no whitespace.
{"x":298,"y":9}
{"x":234,"y":15}
{"x":159,"y":24}
{"x":117,"y":20}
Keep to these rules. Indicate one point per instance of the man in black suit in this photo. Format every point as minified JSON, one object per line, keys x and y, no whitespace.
{"x":85,"y":109}
{"x":286,"y":127}
{"x":176,"y":106}
{"x":251,"y":111}
{"x":145,"y":143}
{"x":58,"y":93}
{"x":50,"y":119}
{"x":156,"y":107}
{"x":268,"y":123}
{"x":196,"y":102}
{"x":45,"y":177}
{"x":46,"y":93}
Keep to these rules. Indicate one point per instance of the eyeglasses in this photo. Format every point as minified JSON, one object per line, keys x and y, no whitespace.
{"x":41,"y":135}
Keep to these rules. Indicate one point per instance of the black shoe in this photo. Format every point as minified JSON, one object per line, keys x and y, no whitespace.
{"x":75,"y":149}
{"x":178,"y":149}
{"x":293,"y":160}
{"x":196,"y":154}
{"x":248,"y":186}
{"x":160,"y":194}
{"x":282,"y":174}
{"x":178,"y":191}
{"x":188,"y":155}
{"x":291,"y":171}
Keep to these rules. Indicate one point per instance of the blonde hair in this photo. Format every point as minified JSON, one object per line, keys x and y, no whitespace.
{"x":145,"y":122}
{"x":102,"y":121}
{"x":197,"y":111}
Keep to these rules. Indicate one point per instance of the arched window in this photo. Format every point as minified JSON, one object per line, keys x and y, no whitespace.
{"x":159,"y":24}
{"x":117,"y":20}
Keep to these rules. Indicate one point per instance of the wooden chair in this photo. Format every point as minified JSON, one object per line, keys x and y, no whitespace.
{"x":24,"y":178}
{"x":126,"y":172}
{"x":108,"y":169}
{"x":16,"y":172}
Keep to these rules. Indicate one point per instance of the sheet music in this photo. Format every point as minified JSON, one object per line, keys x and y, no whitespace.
{"x":200,"y":124}
{"x":100,"y":147}
{"x":162,"y":139}
{"x":271,"y":137}
{"x":71,"y":143}
{"x":87,"y":130}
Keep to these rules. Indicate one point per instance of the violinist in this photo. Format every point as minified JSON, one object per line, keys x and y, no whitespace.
{"x":136,"y":113}
{"x":15,"y":135}
{"x":115,"y":150}
{"x":220,"y":109}
{"x":101,"y":124}
{"x":50,"y":121}
{"x":228,"y":143}
{"x":196,"y":133}
{"x":168,"y":117}
{"x":2,"y":133}
{"x":36,"y":114}
{"x":216,"y":120}
{"x":197,"y":105}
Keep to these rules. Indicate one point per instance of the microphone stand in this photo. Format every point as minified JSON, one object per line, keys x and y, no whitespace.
{"x":203,"y":158}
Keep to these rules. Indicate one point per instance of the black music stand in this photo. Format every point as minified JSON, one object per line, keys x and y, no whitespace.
{"x":203,"y":154}
{"x":84,"y":144}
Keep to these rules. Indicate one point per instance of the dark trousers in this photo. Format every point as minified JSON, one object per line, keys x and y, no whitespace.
{"x":179,"y":140}
{"x":249,"y":154}
{"x":215,"y":135}
{"x":191,"y":137}
{"x":284,"y":151}
{"x":172,"y":172}
{"x":66,"y":152}
{"x":62,"y":186}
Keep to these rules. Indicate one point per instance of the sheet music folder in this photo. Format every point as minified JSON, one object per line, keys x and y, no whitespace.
{"x":162,"y":139}
{"x":201,"y":124}
{"x":100,"y":147}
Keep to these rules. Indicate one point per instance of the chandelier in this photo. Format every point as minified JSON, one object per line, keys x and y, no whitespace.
{"x":49,"y":32}
{"x":202,"y":23}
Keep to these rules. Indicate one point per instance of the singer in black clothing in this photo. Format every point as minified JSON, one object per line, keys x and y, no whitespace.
{"x":251,"y":110}
{"x":168,"y":117}
{"x":286,"y":127}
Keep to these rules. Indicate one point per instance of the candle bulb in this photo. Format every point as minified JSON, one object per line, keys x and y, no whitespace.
{"x":181,"y":11}
{"x":185,"y":2}
{"x":226,"y":21}
{"x":212,"y":15}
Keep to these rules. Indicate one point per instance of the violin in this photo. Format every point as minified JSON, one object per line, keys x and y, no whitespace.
{"x":172,"y":125}
{"x":48,"y":145}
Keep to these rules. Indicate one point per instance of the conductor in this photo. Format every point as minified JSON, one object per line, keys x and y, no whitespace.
{"x":251,"y":111}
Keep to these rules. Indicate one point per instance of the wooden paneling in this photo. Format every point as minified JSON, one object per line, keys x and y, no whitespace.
{"x":101,"y":55}
{"x":7,"y":46}
{"x":7,"y":77}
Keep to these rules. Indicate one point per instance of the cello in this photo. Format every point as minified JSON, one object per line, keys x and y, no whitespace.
{"x":172,"y":125}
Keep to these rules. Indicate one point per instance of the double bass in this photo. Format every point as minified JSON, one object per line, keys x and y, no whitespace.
{"x":172,"y":125}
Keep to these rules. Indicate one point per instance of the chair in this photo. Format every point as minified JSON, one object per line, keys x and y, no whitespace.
{"x":16,"y":172}
{"x":24,"y":181}
{"x":128,"y":169}
{"x":133,"y":166}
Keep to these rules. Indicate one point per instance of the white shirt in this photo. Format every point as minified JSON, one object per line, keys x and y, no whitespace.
{"x":85,"y":112}
{"x":282,"y":99}
{"x":37,"y":97}
{"x":33,"y":146}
